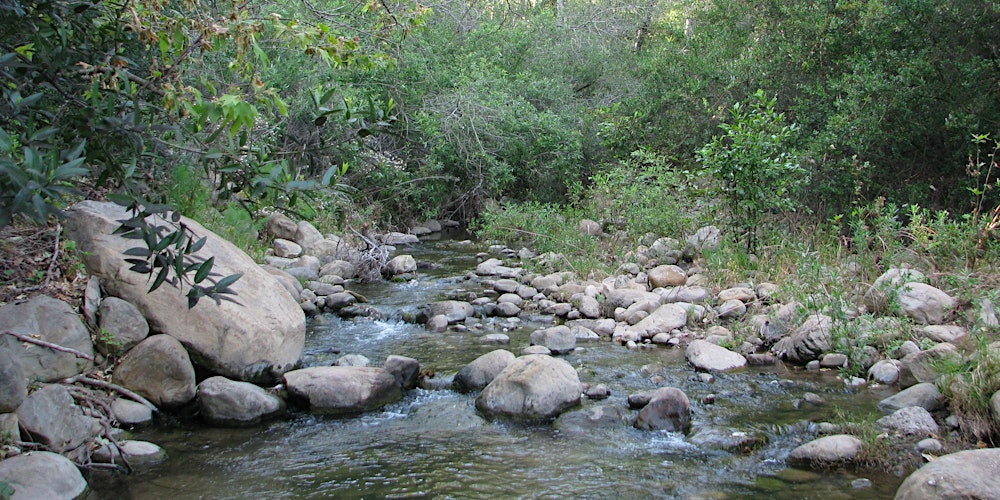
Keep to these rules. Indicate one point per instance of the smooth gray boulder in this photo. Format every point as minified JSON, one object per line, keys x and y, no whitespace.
{"x":13,"y":386}
{"x":158,"y":369}
{"x":668,"y":409}
{"x":886,"y":287}
{"x":122,"y":324}
{"x":481,"y":371}
{"x":885,"y":371}
{"x":969,"y":474}
{"x":51,"y":417}
{"x":343,"y":390}
{"x":708,"y":357}
{"x":42,"y":475}
{"x":229,"y":402}
{"x":128,"y":412}
{"x":925,"y":395}
{"x":924,"y":303}
{"x":52,"y":321}
{"x":256,"y":337}
{"x":664,"y":319}
{"x":531,"y":388}
{"x":826,"y":451}
{"x":559,"y":339}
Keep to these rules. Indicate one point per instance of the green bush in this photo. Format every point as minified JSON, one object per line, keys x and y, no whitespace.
{"x":751,"y":161}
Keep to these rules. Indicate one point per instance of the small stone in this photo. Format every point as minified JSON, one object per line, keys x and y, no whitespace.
{"x":861,"y":483}
{"x":599,"y":391}
{"x":929,"y":445}
{"x":495,"y":338}
{"x":813,"y":365}
{"x":536,"y":349}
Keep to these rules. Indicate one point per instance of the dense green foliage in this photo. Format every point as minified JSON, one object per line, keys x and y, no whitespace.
{"x":399,"y":111}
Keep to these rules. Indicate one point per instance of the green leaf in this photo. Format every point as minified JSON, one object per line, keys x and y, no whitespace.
{"x":161,"y":277}
{"x":204,"y":270}
{"x":5,"y":143}
{"x":224,"y":283}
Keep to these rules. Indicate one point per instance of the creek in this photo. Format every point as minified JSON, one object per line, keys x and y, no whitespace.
{"x":434,"y":444}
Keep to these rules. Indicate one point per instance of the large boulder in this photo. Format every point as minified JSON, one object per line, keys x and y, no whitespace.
{"x":229,"y":402}
{"x":910,"y":421}
{"x":160,"y":370}
{"x":51,"y":416}
{"x":42,"y":474}
{"x":963,"y":475}
{"x":256,"y":337}
{"x":50,"y":320}
{"x":708,"y":357}
{"x":343,"y":390}
{"x":531,"y":388}
{"x":922,"y":366}
{"x":668,"y":409}
{"x":479,"y":373}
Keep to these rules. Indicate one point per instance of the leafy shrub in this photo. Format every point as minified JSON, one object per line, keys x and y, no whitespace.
{"x":757,"y":173}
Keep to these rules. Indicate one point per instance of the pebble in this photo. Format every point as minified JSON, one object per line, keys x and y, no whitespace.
{"x":861,"y":483}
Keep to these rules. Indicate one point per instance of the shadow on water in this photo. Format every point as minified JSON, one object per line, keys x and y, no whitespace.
{"x":434,"y":444}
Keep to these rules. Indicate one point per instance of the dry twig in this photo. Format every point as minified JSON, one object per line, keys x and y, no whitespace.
{"x":50,"y":345}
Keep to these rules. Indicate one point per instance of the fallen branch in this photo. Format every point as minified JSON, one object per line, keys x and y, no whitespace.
{"x":111,"y":387}
{"x":50,"y":345}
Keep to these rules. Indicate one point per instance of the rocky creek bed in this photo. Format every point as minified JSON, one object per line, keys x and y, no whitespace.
{"x":467,"y":376}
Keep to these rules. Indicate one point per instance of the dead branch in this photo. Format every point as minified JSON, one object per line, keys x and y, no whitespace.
{"x":50,"y":345}
{"x":111,"y":387}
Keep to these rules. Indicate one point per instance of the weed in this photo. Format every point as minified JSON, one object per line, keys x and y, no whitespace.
{"x":970,"y":384}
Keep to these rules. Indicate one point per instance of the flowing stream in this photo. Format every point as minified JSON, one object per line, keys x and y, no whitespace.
{"x":434,"y":444}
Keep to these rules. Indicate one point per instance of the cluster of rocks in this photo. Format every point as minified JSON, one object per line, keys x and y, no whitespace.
{"x":314,"y":267}
{"x":54,"y":394}
{"x":664,"y":299}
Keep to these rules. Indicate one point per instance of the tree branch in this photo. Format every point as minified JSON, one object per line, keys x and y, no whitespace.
{"x":83,"y":379}
{"x":54,"y":347}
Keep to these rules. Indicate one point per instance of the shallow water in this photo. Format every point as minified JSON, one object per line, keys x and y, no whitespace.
{"x":434,"y":444}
